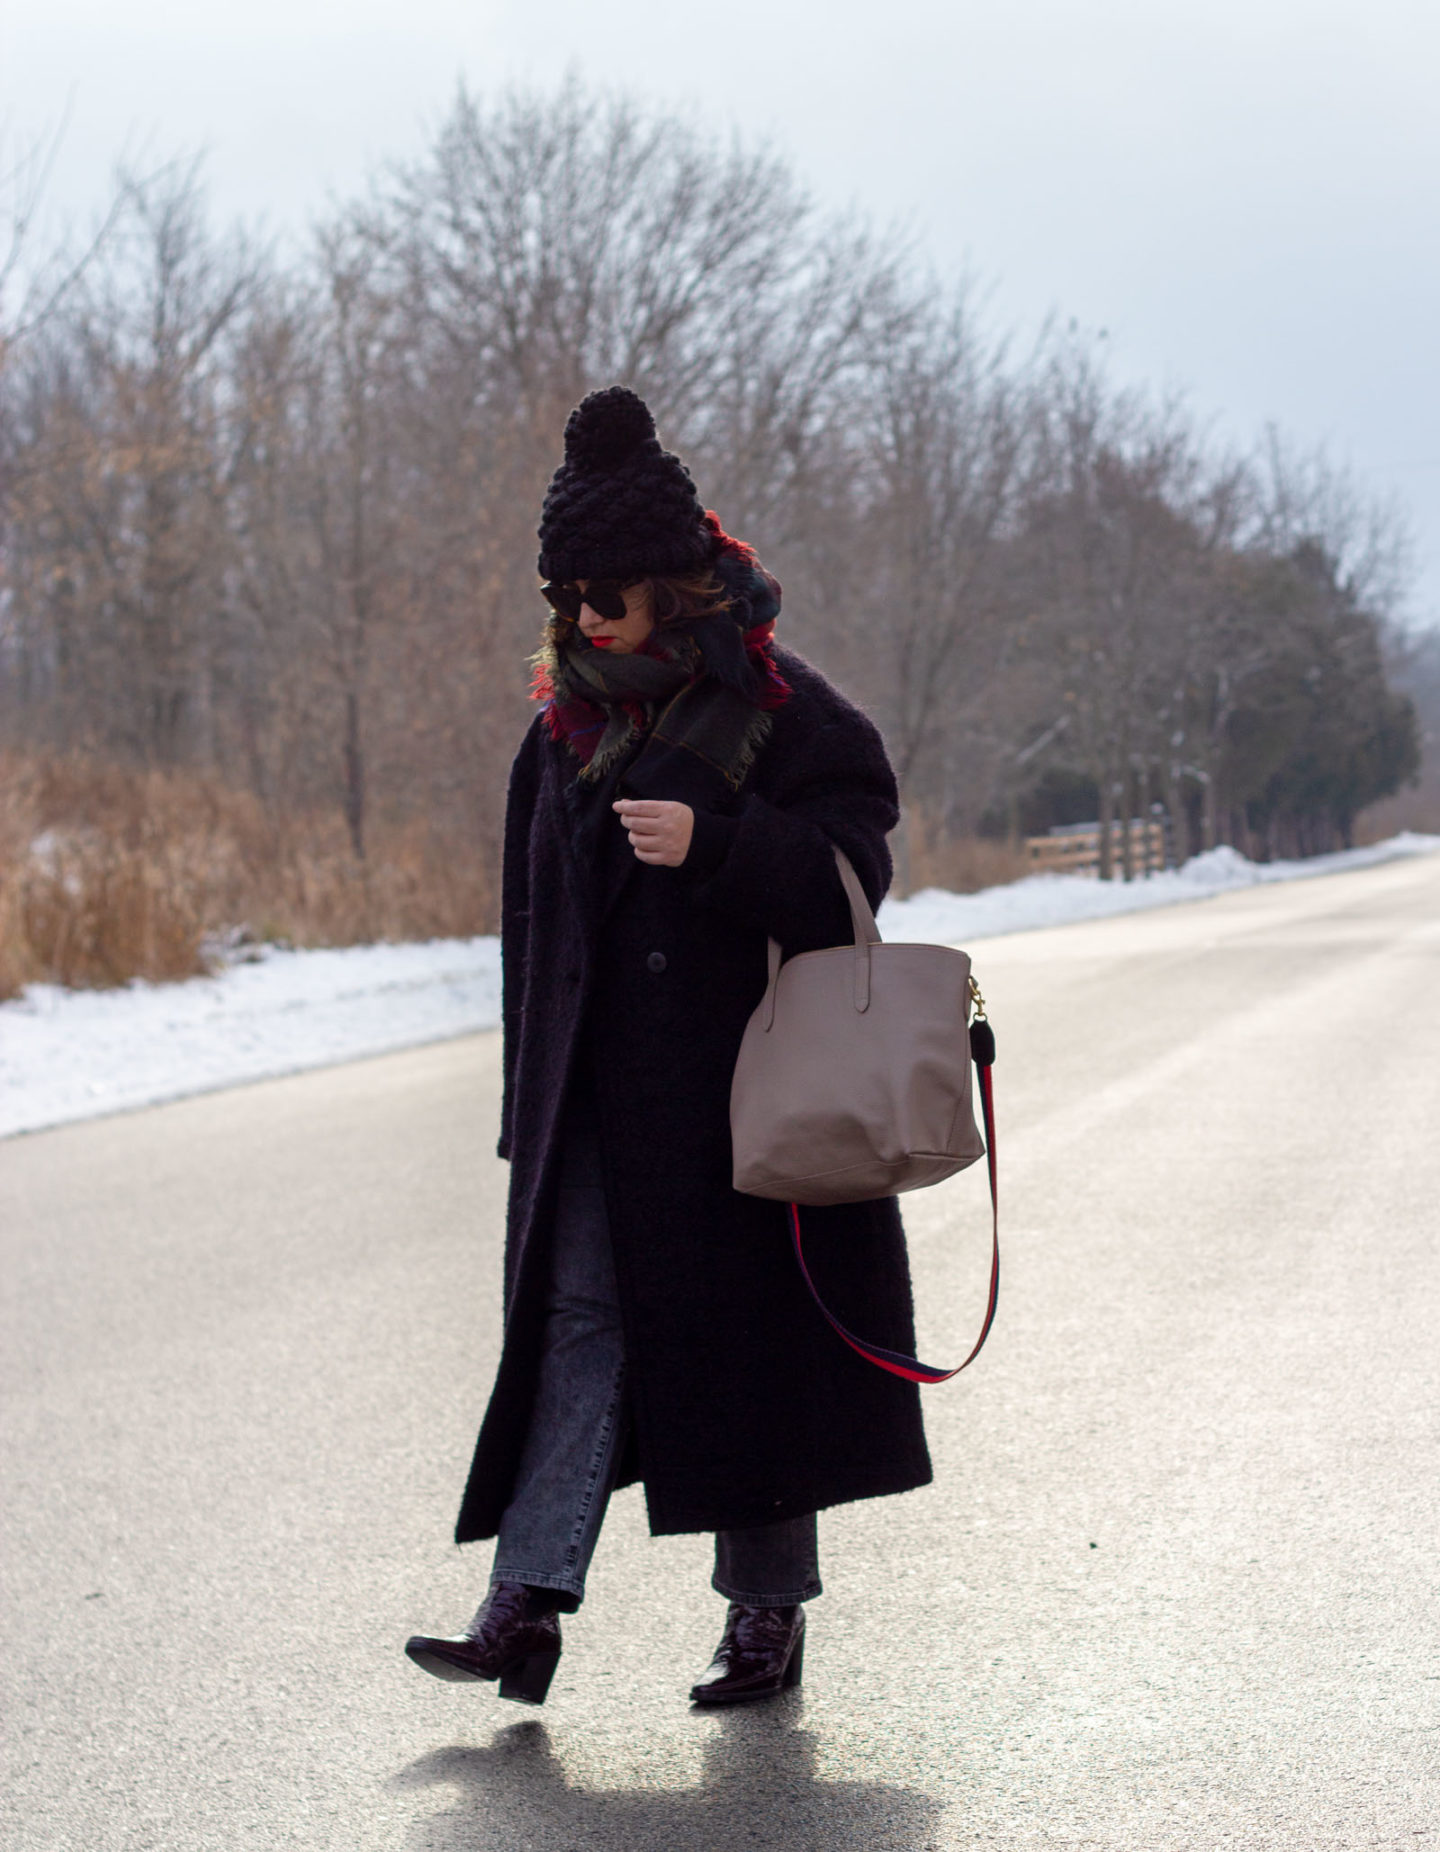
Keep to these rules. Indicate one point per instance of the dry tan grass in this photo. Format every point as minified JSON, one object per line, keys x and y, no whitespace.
{"x":108,"y":874}
{"x":963,"y":864}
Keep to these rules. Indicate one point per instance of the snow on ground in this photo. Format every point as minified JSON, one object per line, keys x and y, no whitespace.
{"x":73,"y":1054}
{"x":934,"y":915}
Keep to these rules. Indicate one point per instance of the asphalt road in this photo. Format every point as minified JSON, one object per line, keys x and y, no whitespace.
{"x":1174,"y":1586}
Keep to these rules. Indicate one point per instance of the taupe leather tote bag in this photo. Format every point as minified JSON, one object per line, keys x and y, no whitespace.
{"x":853,"y":1082}
{"x":853,"y":1079}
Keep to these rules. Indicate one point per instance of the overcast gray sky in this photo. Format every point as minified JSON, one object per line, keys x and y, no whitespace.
{"x":1244,"y":193}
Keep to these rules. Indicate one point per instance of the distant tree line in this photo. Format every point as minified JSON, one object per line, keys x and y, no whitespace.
{"x":274,"y":521}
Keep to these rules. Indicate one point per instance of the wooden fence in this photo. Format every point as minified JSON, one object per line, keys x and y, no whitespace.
{"x":1074,"y":848}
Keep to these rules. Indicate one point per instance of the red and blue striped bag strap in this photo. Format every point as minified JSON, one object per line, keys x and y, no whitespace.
{"x":982,"y":1049}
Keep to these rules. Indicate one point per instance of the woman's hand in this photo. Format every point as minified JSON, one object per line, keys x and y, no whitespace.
{"x":659,"y":830}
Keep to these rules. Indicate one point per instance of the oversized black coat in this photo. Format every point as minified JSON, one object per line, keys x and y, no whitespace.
{"x":747,"y":1406}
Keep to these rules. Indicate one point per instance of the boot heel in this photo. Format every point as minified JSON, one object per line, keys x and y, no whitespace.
{"x":796,"y":1665}
{"x":528,"y":1680}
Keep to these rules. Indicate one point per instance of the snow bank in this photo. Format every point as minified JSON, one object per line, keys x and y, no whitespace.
{"x":935,"y":916}
{"x":72,"y":1054}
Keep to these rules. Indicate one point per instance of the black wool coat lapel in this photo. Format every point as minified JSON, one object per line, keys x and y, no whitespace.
{"x":747,"y":1406}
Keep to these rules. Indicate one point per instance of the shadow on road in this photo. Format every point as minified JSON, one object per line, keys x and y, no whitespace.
{"x":758,"y":1788}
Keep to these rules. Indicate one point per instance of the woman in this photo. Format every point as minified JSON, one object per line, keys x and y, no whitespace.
{"x":674,"y":804}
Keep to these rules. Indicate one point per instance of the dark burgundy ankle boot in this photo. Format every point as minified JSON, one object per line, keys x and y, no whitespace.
{"x":515,"y":1637}
{"x":761,"y":1652}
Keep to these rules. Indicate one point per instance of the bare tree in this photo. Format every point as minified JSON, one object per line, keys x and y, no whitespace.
{"x":34,"y":285}
{"x":120,"y":518}
{"x":279,"y":525}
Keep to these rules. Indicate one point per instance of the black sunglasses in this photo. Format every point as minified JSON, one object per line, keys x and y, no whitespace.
{"x":605,"y":597}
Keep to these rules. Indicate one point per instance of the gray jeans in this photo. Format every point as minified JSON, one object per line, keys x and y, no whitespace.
{"x":577,"y":1428}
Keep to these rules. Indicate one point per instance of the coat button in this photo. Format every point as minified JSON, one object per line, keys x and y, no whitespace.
{"x":655,"y":962}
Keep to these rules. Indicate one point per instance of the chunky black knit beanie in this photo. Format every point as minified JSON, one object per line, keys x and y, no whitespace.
{"x":619,"y":504}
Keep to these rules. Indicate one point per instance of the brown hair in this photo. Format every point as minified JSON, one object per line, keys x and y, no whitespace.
{"x":679,"y":597}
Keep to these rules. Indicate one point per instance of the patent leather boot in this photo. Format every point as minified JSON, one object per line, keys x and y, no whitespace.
{"x":761,"y":1653}
{"x":515,"y":1637}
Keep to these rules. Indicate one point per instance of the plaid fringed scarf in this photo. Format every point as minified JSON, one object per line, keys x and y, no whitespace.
{"x":704,"y":688}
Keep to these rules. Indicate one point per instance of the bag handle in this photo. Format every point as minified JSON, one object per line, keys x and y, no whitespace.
{"x":862,"y":925}
{"x":982,"y":1052}
{"x":862,"y":916}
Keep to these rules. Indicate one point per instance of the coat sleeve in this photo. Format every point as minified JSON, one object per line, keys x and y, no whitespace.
{"x":515,"y":916}
{"x":771,"y":866}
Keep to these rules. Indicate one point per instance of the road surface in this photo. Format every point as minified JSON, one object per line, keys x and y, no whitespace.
{"x":1174,"y":1587}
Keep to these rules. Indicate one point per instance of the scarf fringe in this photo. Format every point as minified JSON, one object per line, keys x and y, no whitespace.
{"x":756,"y":734}
{"x":603,"y":757}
